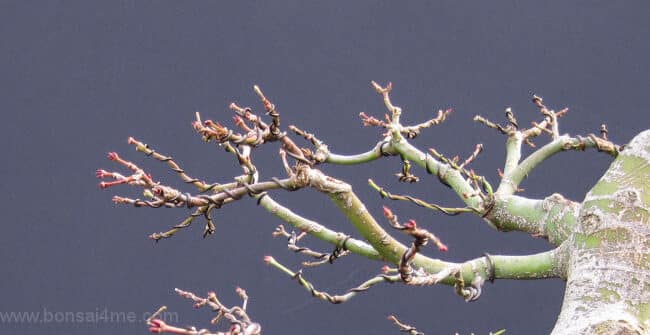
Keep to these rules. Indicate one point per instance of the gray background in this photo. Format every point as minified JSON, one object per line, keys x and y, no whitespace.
{"x":77,"y":78}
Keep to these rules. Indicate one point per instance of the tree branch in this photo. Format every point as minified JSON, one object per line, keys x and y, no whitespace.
{"x":317,"y":230}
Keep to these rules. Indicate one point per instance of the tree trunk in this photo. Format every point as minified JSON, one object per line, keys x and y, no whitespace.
{"x":608,"y":254}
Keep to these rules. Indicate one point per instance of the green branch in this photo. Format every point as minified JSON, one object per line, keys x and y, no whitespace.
{"x":514,"y":176}
{"x":314,"y":228}
{"x":382,"y":148}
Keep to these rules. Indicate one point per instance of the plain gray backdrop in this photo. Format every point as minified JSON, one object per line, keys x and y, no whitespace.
{"x":78,"y":77}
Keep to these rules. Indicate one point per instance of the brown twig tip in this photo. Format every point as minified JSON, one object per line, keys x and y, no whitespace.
{"x":370,"y":121}
{"x":380,"y":89}
{"x":267,"y":104}
{"x":404,"y":328}
{"x":562,"y":112}
{"x":102,"y":173}
{"x":233,"y":106}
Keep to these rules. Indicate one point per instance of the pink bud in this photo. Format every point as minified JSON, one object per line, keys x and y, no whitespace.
{"x":131,"y":140}
{"x":385,"y":269}
{"x":443,"y":247}
{"x":103,"y":185}
{"x":113,"y":155}
{"x":387,"y":212}
{"x":411,"y":224}
{"x":268,"y":259}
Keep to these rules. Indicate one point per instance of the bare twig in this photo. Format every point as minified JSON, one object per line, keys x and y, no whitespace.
{"x":414,"y":131}
{"x":404,"y":328}
{"x":322,"y":258}
{"x":446,"y":210}
{"x":202,"y":186}
{"x":240,"y":322}
{"x":334,"y":299}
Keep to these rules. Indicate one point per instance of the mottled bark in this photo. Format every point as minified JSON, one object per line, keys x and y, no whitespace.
{"x":608,"y":268}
